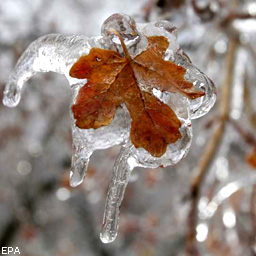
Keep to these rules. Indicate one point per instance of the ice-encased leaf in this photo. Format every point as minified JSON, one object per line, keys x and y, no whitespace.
{"x":58,"y":53}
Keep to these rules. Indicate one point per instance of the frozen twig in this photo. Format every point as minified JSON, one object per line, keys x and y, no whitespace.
{"x":253,"y":220}
{"x":246,"y":135}
{"x":211,"y":148}
{"x":205,"y":13}
{"x":235,"y":15}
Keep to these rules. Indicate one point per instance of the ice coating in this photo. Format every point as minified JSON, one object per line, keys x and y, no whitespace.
{"x":223,"y":192}
{"x":57,"y":53}
{"x":200,"y":106}
{"x":48,"y":53}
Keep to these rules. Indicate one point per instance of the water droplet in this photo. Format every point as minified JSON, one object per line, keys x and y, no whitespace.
{"x":24,"y":168}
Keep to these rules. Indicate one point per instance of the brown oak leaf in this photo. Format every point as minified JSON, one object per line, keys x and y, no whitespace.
{"x":113,"y":80}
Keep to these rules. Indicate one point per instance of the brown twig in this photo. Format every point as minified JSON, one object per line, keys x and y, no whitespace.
{"x":249,"y":108}
{"x":206,"y":13}
{"x":147,"y":9}
{"x":211,"y":149}
{"x":246,"y":135}
{"x":253,"y":220}
{"x":235,"y":15}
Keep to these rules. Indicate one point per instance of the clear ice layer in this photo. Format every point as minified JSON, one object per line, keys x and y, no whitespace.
{"x":57,"y":53}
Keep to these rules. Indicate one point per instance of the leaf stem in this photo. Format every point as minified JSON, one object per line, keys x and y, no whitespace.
{"x":126,"y":53}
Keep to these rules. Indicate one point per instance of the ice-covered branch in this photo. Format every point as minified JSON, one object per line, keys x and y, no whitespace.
{"x":212,"y":147}
{"x":52,"y":52}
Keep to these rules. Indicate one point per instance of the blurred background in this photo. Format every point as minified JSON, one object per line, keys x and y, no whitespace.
{"x":205,"y":205}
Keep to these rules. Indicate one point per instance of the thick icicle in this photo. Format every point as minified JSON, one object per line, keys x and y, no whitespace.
{"x":121,"y":174}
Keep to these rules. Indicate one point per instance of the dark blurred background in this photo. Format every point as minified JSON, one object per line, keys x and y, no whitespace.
{"x":163,"y":213}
